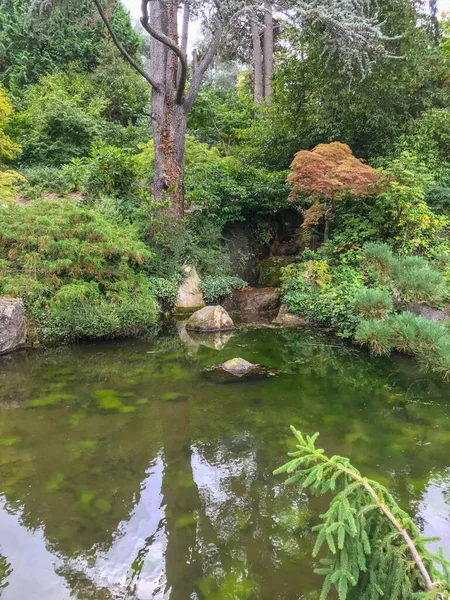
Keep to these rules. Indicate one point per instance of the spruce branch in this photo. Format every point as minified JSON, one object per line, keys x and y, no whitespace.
{"x":373,"y":545}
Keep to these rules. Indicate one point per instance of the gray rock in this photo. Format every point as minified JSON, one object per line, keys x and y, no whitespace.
{"x":237,"y":369}
{"x":210,"y":318}
{"x":287,"y":319}
{"x":13,"y":330}
{"x":190,"y":296}
{"x":431,"y":314}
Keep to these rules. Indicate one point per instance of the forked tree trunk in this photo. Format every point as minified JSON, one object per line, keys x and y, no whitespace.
{"x":168,"y":117}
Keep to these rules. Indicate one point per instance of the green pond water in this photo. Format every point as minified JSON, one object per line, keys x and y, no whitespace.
{"x":125,"y":474}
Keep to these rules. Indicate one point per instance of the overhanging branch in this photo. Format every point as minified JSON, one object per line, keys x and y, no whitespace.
{"x":122,"y":50}
{"x":167,"y":41}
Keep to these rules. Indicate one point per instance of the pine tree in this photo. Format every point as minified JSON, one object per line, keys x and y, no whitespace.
{"x":374,"y":550}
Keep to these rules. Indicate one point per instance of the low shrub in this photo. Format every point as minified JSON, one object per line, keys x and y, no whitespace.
{"x":108,"y":170}
{"x":373,"y":304}
{"x":376,"y":335}
{"x":429,"y":342}
{"x":327,"y":300}
{"x":415,"y":281}
{"x":216,"y":289}
{"x":78,"y":274}
{"x":379,"y":258}
{"x":43,"y":179}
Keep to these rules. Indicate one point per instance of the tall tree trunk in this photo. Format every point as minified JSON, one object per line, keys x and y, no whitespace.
{"x":168,"y":118}
{"x":257,"y":58}
{"x":268,"y":49}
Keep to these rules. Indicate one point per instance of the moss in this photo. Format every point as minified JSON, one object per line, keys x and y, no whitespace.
{"x":109,"y":400}
{"x":51,"y":400}
{"x":173,"y":397}
{"x":185,"y":521}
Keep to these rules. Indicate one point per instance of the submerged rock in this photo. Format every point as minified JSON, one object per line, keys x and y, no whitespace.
{"x":13,"y":330}
{"x":287,"y":319}
{"x":237,"y":369}
{"x":210,"y":318}
{"x":190,"y":296}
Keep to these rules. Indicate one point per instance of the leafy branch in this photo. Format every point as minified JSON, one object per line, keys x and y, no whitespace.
{"x":374,"y":548}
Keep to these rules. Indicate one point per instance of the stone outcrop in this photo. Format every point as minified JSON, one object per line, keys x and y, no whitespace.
{"x":287,"y":319}
{"x":190,"y":296}
{"x":431,"y":314}
{"x":12,"y":324}
{"x":254,"y":301}
{"x":237,"y":369}
{"x":210,"y":318}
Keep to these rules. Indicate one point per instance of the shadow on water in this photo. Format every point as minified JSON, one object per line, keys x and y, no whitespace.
{"x":126,"y":474}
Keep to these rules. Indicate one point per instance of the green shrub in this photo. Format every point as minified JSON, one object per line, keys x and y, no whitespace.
{"x":69,"y":263}
{"x":415,"y":281}
{"x":415,"y":335}
{"x":438,"y":198}
{"x":165,"y":290}
{"x":330,"y":304}
{"x":43,"y":179}
{"x":96,"y":319}
{"x":108,"y":170}
{"x":376,"y":335}
{"x":379,"y":257}
{"x":216,"y":288}
{"x":373,"y":304}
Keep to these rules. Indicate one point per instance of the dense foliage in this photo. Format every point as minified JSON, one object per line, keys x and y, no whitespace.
{"x":80,"y":275}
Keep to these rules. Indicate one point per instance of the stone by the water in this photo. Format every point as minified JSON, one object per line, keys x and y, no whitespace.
{"x":238,"y":369}
{"x":210,"y":318}
{"x":13,"y":330}
{"x":287,"y":319}
{"x":190,"y":296}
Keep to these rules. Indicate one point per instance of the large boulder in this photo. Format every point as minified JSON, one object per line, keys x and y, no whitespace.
{"x":254,"y":301}
{"x":210,"y":318}
{"x":190,"y":296}
{"x":431,"y":314}
{"x":237,"y":369}
{"x":287,"y":319}
{"x":13,"y":331}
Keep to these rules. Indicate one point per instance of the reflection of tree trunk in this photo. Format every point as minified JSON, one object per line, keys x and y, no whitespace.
{"x":268,"y":49}
{"x":257,"y":58}
{"x":181,"y":503}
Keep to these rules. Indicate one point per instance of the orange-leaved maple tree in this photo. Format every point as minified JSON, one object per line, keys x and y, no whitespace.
{"x":325,"y":174}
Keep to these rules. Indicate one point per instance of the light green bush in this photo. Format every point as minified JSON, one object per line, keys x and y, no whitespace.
{"x":373,"y":304}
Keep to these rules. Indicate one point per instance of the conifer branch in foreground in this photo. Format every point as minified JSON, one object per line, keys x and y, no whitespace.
{"x":374,"y":548}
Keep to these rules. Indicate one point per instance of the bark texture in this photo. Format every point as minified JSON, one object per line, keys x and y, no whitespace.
{"x":257,"y":58}
{"x":268,"y":49}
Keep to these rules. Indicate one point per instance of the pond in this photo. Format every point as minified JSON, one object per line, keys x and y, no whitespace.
{"x":125,"y":474}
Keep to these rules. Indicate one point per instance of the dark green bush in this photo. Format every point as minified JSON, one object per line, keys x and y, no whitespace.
{"x":68,"y":263}
{"x":216,"y":288}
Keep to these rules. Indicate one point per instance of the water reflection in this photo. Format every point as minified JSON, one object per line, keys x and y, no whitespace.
{"x":125,"y":474}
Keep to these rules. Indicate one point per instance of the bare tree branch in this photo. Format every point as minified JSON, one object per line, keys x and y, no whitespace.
{"x":122,"y":50}
{"x":164,"y":39}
